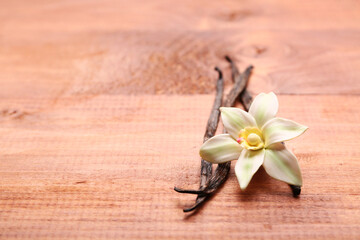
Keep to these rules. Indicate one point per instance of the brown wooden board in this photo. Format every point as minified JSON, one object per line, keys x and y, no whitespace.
{"x":85,"y":48}
{"x":106,"y":167}
{"x":103,"y":106}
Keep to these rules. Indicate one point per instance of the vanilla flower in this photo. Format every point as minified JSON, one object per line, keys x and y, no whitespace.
{"x":256,"y":138}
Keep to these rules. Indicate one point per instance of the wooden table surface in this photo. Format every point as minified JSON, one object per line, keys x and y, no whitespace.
{"x":103,"y":105}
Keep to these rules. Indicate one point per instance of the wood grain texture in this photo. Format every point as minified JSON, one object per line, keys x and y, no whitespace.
{"x":103,"y":106}
{"x":106,"y":168}
{"x":77,"y":48}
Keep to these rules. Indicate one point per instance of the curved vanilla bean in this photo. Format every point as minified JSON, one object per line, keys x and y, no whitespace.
{"x":234,"y":70}
{"x":246,"y":100}
{"x":240,"y":84}
{"x":245,"y":97}
{"x":222,"y":171}
{"x":212,"y":124}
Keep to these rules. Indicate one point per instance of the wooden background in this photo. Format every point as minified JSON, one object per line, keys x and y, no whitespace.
{"x":103,"y":106}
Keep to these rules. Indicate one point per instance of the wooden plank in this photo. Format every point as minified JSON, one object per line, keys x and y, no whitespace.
{"x":82,"y":157}
{"x":77,"y":48}
{"x":105,"y":167}
{"x":112,"y":15}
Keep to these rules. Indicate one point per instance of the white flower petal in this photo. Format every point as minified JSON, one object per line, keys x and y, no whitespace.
{"x":280,"y":129}
{"x":220,"y":148}
{"x":282,"y":164}
{"x":235,"y":119}
{"x":247,"y":165}
{"x":264,"y":107}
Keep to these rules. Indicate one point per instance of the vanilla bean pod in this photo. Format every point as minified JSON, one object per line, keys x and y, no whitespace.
{"x":246,"y":100}
{"x":206,"y":167}
{"x":222,"y":171}
{"x":212,"y":124}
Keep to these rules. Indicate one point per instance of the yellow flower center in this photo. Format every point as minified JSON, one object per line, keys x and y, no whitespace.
{"x":251,"y":138}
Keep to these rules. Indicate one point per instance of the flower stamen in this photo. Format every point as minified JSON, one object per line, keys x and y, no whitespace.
{"x":251,"y":138}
